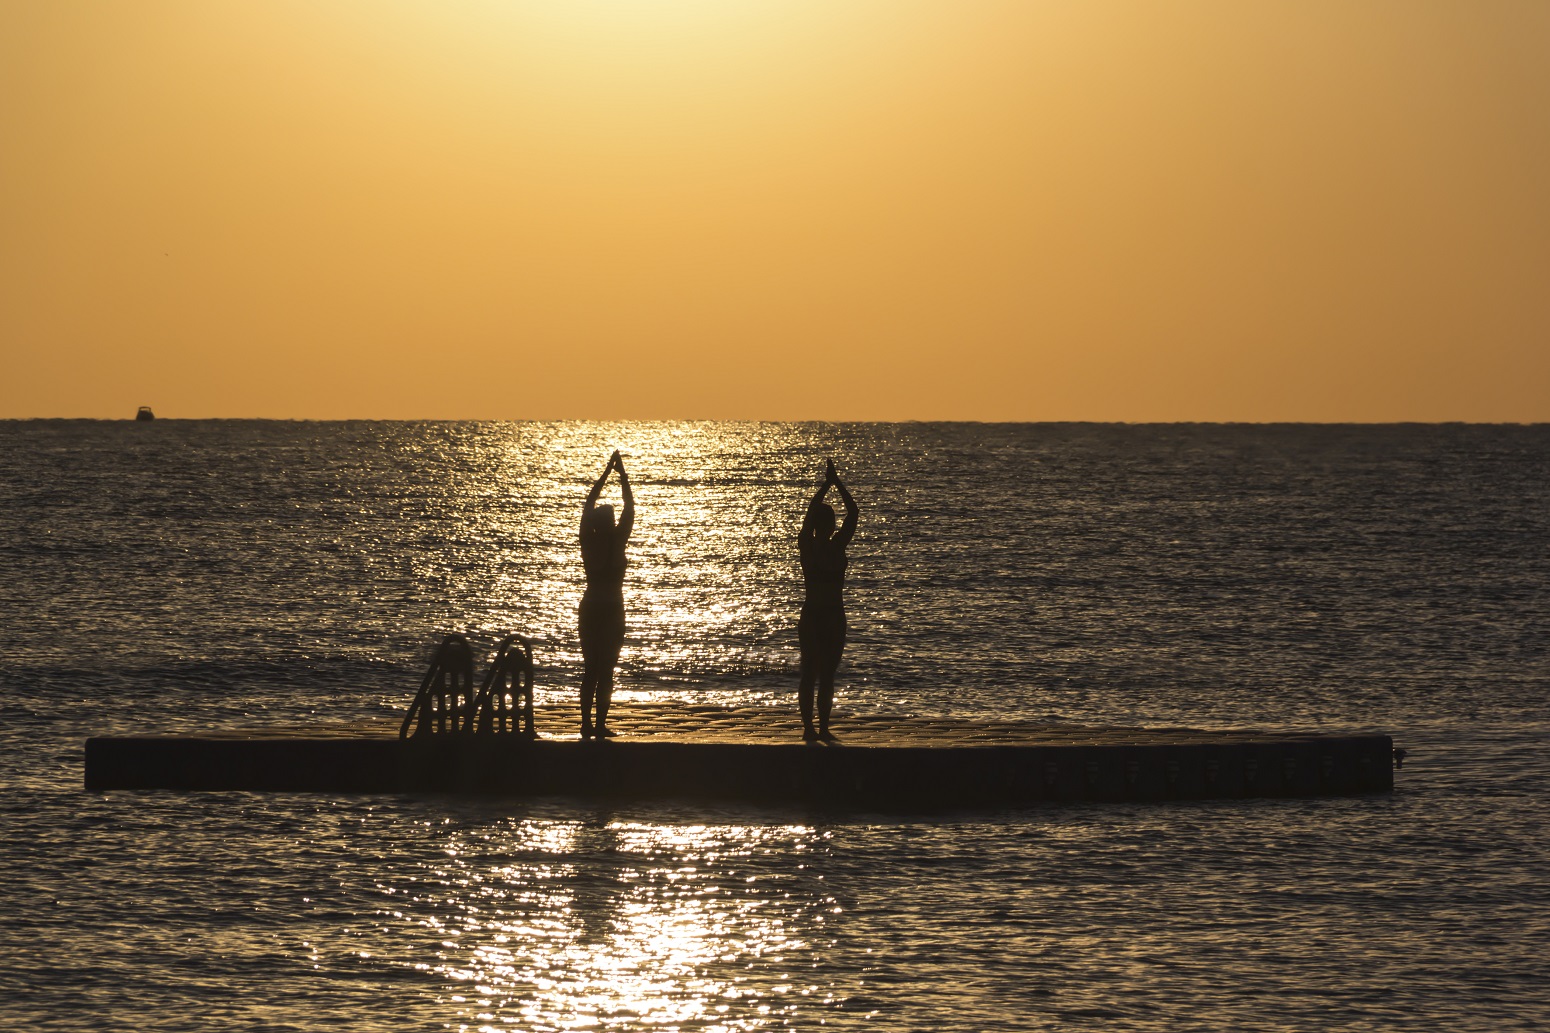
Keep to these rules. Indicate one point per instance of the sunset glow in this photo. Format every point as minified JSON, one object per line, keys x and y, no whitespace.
{"x":624,"y":209}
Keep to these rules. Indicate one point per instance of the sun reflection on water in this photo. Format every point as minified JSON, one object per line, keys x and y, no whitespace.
{"x":610,"y":924}
{"x":715,"y":504}
{"x":604,"y":924}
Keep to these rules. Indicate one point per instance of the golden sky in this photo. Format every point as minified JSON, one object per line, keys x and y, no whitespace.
{"x":776,"y":209}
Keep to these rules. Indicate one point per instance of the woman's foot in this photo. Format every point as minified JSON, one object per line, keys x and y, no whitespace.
{"x":586,"y":730}
{"x":809,"y":734}
{"x":827,"y":736}
{"x":603,"y":732}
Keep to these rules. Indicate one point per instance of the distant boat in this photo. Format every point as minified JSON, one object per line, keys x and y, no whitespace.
{"x":145,"y":413}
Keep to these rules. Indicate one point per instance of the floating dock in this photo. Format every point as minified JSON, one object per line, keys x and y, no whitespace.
{"x":755,"y":755}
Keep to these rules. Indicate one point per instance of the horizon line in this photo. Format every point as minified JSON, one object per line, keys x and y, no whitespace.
{"x":831,"y":421}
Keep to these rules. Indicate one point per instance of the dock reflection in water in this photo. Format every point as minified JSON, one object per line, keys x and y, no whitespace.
{"x":559,"y":924}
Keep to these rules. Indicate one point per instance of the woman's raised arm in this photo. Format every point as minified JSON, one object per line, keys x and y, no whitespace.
{"x":852,"y":511}
{"x":809,"y":528}
{"x":627,"y":518}
{"x":597,"y":490}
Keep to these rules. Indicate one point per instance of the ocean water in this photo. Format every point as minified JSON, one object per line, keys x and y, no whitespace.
{"x":184,"y":575}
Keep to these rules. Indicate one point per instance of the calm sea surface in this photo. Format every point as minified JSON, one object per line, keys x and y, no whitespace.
{"x":189,"y":575}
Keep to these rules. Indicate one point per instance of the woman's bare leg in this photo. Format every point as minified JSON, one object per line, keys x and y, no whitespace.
{"x":605,"y":686}
{"x":588,"y":692}
{"x":805,"y":700}
{"x":831,"y":664}
{"x":605,"y":695}
{"x":825,"y":701}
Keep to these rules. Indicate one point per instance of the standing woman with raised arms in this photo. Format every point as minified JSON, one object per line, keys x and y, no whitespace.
{"x":821,"y":628}
{"x":602,"y":605}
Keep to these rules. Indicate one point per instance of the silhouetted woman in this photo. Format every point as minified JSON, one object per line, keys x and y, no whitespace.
{"x":602,"y":606}
{"x":821,"y":629}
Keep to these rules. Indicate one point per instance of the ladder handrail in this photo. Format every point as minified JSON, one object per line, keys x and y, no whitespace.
{"x":437,"y":707}
{"x":488,"y":713}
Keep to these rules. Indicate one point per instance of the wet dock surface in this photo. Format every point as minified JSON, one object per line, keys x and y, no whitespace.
{"x":637,"y":721}
{"x":756,"y":754}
